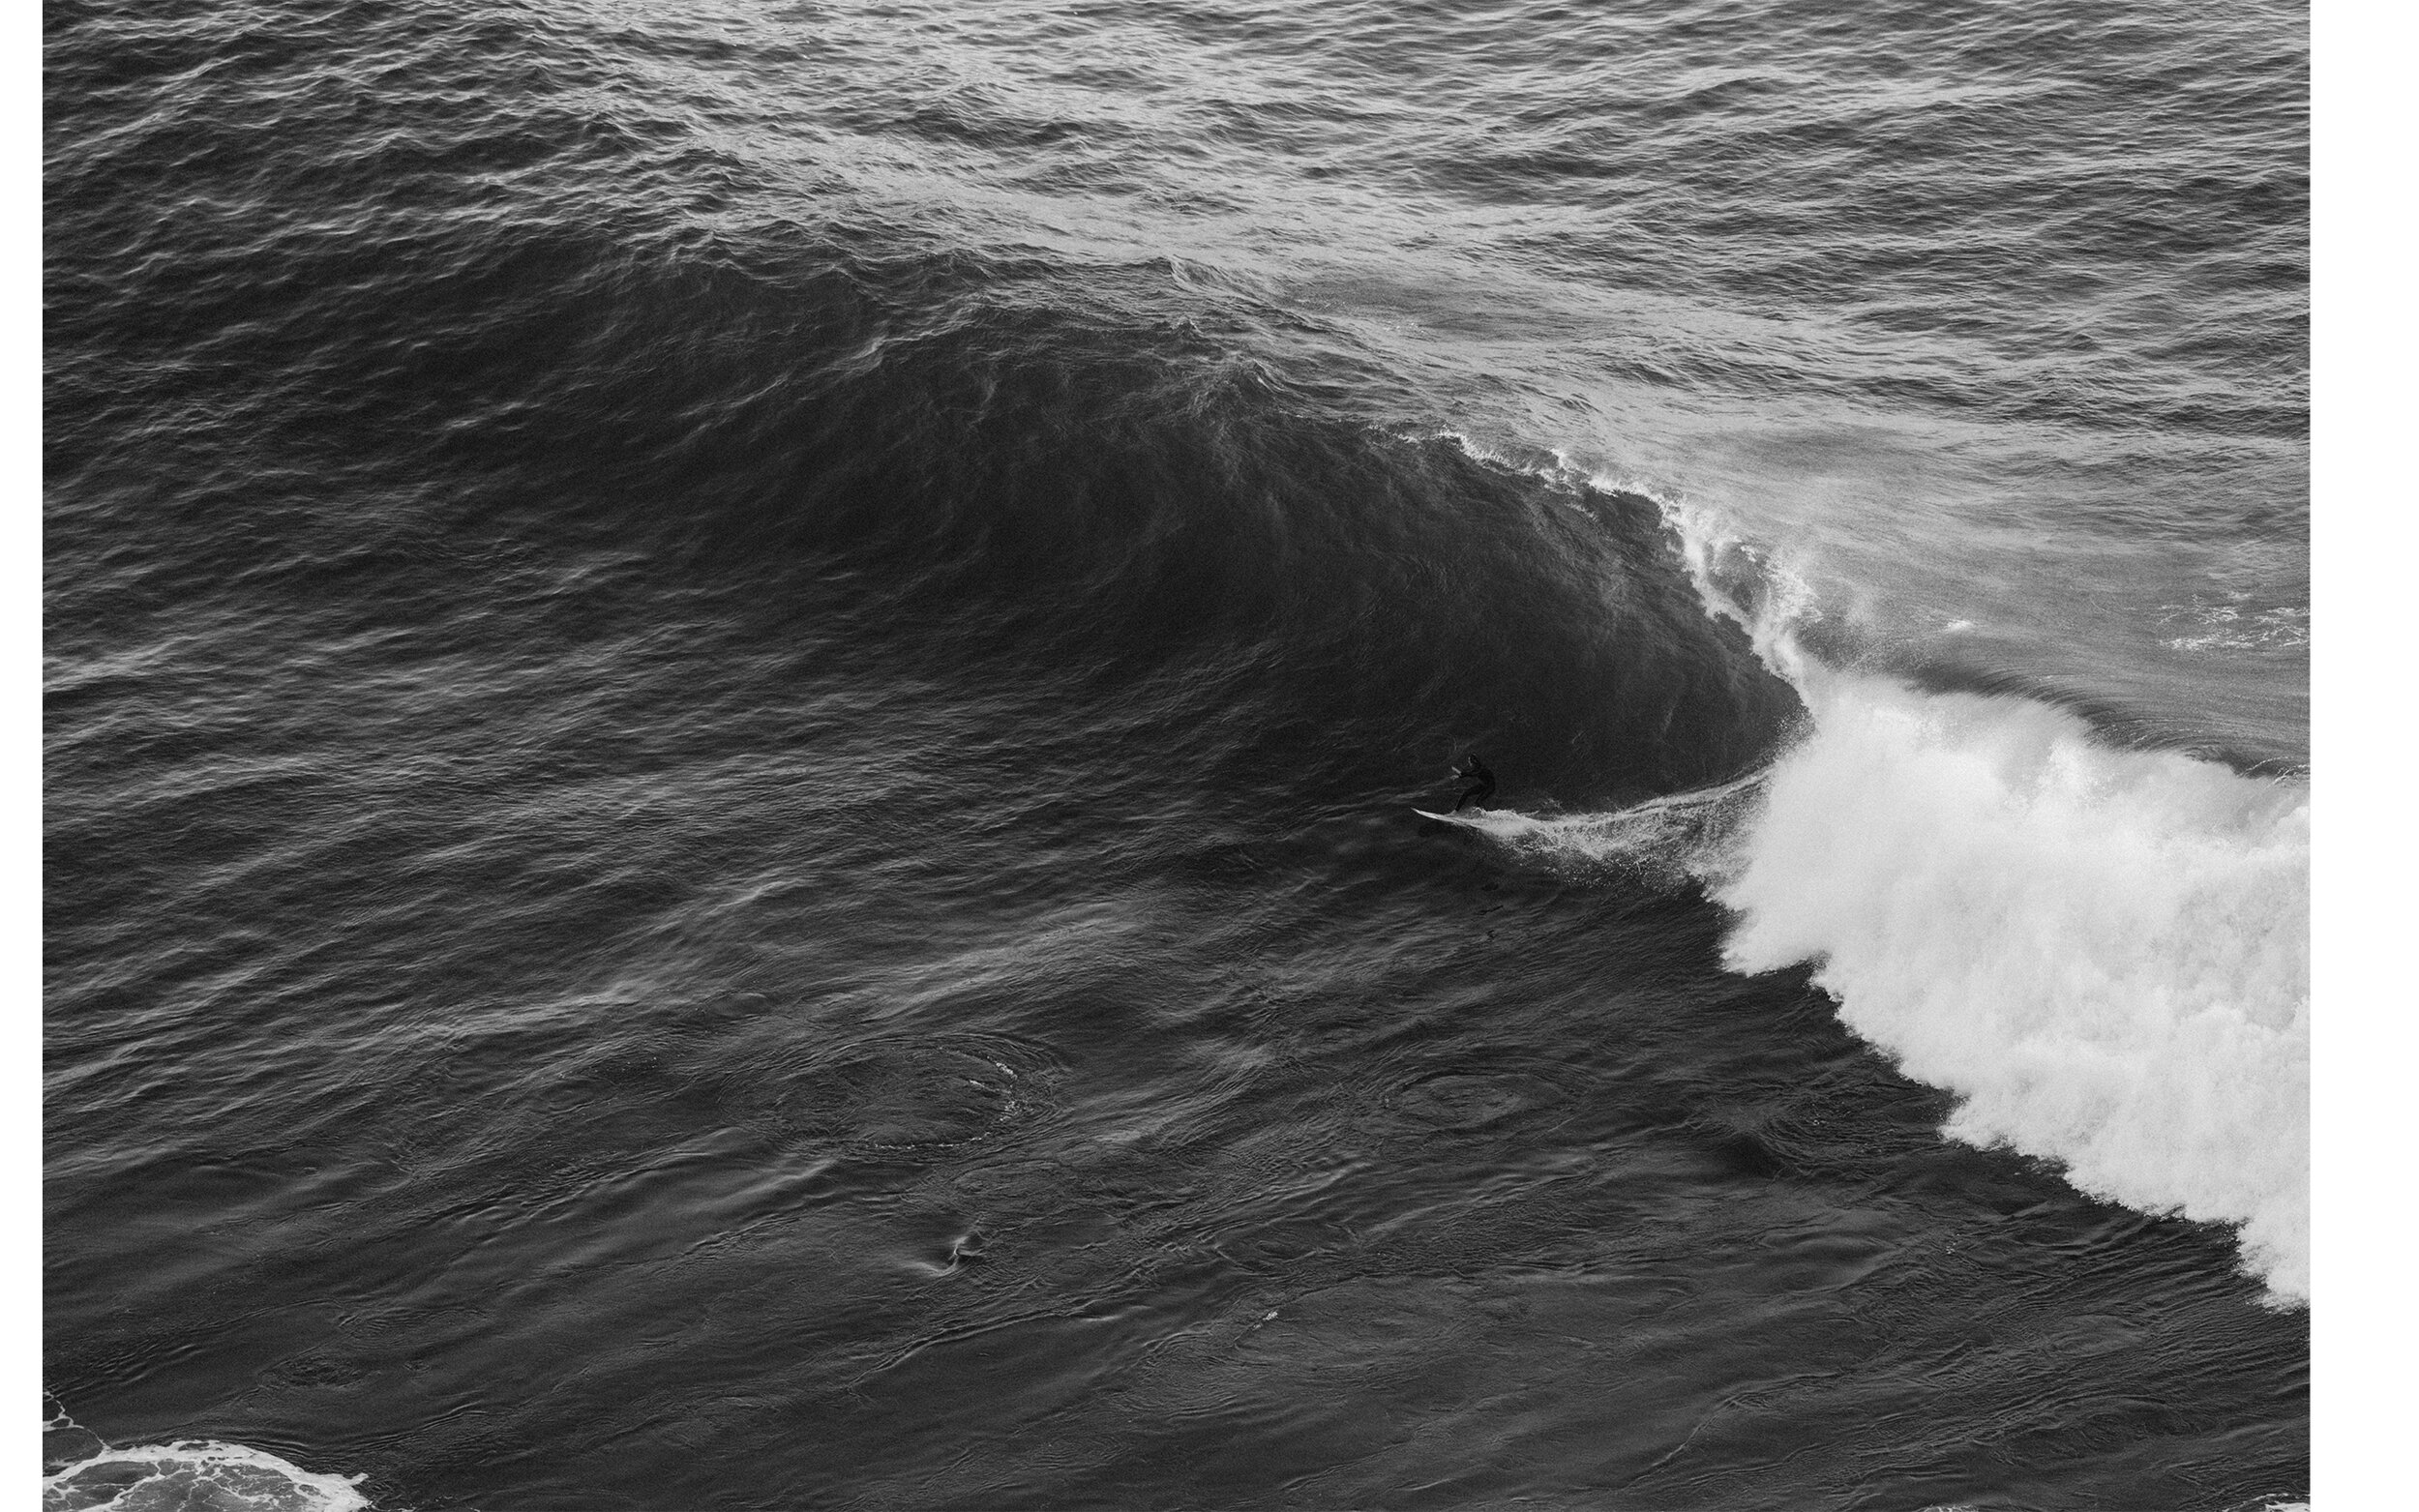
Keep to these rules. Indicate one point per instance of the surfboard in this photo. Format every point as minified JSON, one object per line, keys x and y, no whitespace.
{"x":1513,"y":819}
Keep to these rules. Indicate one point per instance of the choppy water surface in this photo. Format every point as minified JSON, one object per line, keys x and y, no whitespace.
{"x":734,"y":697}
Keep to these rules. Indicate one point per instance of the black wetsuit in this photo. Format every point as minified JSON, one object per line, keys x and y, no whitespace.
{"x":1481,"y":786}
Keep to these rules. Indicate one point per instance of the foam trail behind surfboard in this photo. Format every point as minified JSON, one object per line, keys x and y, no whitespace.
{"x":2104,"y":953}
{"x":1669,"y":838}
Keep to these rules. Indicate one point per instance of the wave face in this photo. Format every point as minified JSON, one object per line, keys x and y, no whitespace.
{"x":734,"y":693}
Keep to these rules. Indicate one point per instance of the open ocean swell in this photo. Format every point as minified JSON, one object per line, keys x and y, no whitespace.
{"x":733,"y":699}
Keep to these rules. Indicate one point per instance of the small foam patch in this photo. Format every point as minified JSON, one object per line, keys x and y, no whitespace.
{"x":191,"y":1475}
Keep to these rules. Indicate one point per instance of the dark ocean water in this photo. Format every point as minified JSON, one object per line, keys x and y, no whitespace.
{"x":734,"y":693}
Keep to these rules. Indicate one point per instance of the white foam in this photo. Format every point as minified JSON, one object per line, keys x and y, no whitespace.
{"x":196,"y":1473}
{"x":2105,"y":954}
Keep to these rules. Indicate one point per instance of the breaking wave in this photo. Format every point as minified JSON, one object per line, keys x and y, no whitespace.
{"x":2103,"y":952}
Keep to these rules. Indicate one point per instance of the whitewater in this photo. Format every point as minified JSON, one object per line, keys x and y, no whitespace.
{"x":2104,"y":953}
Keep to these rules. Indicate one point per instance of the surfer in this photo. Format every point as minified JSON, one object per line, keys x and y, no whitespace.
{"x":1481,"y":784}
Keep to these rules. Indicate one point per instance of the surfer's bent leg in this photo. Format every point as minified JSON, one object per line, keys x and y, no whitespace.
{"x":1477,"y":793}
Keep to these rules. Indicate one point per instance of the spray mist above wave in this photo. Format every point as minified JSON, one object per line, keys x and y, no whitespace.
{"x":2103,"y":952}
